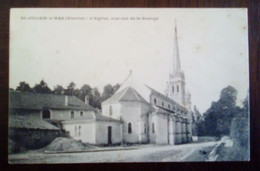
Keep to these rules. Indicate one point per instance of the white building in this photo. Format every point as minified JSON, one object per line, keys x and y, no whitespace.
{"x":148,"y":116}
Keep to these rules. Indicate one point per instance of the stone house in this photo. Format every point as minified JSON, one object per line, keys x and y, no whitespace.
{"x":65,"y":113}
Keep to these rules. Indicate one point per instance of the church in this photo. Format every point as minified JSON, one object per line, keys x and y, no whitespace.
{"x":149,"y":116}
{"x":136,"y":113}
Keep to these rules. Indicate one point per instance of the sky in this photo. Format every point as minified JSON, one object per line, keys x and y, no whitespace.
{"x":101,"y":46}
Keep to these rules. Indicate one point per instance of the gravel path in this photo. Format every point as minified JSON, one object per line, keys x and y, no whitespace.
{"x":142,"y":153}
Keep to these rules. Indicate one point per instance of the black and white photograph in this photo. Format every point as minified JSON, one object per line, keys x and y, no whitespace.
{"x":124,"y":85}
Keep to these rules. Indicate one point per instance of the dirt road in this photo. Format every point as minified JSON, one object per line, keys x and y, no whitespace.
{"x":142,"y":153}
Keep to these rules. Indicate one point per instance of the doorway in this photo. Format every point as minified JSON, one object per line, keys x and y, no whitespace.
{"x":109,"y":135}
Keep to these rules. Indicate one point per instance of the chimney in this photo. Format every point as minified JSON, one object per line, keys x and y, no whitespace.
{"x":86,"y":100}
{"x":66,"y":102}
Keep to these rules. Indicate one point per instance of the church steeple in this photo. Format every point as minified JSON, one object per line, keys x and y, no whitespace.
{"x":176,"y":84}
{"x":176,"y":57}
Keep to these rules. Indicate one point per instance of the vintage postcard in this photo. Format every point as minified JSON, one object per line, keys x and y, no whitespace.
{"x":128,"y":85}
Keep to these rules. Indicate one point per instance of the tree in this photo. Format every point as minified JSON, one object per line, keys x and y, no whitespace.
{"x":219,"y":116}
{"x":85,"y":90}
{"x":24,"y":87}
{"x":116,"y":87}
{"x":239,"y":133}
{"x":41,"y":88}
{"x":109,"y":91}
{"x":59,"y":90}
{"x":70,"y":89}
{"x":96,"y":100}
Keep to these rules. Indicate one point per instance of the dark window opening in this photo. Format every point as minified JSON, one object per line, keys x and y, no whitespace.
{"x":79,"y":130}
{"x":154,"y":101}
{"x":177,"y":88}
{"x":169,"y":106}
{"x":81,"y":113}
{"x":145,"y":128}
{"x":162,"y":104}
{"x":72,"y":114}
{"x":46,"y":114}
{"x":153,"y":129}
{"x":129,"y":128}
{"x":173,"y":89}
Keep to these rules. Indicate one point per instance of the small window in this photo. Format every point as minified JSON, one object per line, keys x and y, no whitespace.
{"x":169,"y":106}
{"x":153,"y":129}
{"x":173,"y":89}
{"x":162,"y":104}
{"x":81,"y":113}
{"x":177,"y":88}
{"x":72,"y":114}
{"x":79,"y":130}
{"x":129,"y":128}
{"x":46,"y":114}
{"x":154,"y":100}
{"x":110,"y":110}
{"x":145,"y":128}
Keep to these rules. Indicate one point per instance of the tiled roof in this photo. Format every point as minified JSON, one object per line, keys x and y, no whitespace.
{"x":165,"y":98}
{"x":30,"y":123}
{"x":145,"y":91}
{"x":38,"y":101}
{"x":128,"y":94}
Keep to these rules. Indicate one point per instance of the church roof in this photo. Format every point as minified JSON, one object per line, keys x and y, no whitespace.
{"x":128,"y":94}
{"x":145,"y":91}
{"x":39,"y":101}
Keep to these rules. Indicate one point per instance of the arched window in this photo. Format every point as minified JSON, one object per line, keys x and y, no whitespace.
{"x":79,"y":130}
{"x":153,"y":129}
{"x":173,"y":89}
{"x":177,"y":88}
{"x":81,"y":113}
{"x":72,"y":114}
{"x":46,"y":114}
{"x":154,"y":100}
{"x":129,"y":128}
{"x":162,"y":104}
{"x":110,"y":110}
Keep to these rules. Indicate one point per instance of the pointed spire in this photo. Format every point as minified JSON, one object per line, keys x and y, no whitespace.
{"x":176,"y":58}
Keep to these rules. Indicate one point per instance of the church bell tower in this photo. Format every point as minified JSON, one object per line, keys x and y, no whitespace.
{"x":176,"y":85}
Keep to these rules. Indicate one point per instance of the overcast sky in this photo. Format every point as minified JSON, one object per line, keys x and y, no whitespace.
{"x":213,"y":47}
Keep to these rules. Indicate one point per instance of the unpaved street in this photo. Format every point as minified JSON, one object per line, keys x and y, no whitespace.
{"x":142,"y":153}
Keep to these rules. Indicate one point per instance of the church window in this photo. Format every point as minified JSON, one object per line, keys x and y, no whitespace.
{"x":129,"y":128}
{"x":110,"y":110}
{"x":162,"y":104}
{"x":154,"y":100}
{"x":153,"y":129}
{"x":177,"y":88}
{"x":72,"y":114}
{"x":173,"y":89}
{"x":79,"y":130}
{"x":46,"y":114}
{"x":81,"y":113}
